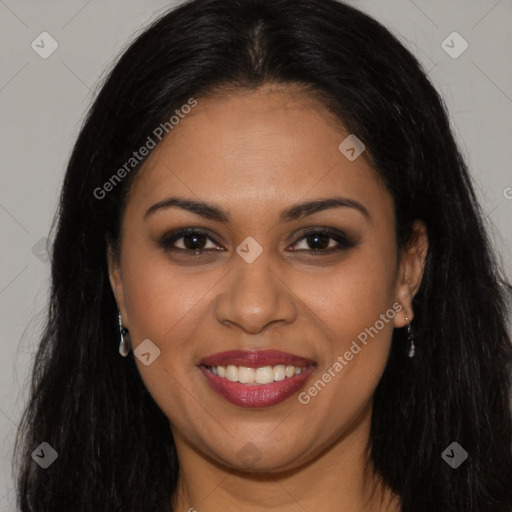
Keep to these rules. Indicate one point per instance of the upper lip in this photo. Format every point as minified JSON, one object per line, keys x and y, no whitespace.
{"x":255,"y":359}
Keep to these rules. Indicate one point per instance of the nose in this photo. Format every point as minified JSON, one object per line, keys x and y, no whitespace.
{"x":255,"y":295}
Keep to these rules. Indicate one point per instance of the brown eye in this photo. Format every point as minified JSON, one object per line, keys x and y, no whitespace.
{"x":191,"y":240}
{"x":324,"y":241}
{"x":194,"y":242}
{"x":319,"y":241}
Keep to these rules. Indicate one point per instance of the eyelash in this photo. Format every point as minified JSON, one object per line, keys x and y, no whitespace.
{"x":343,"y":240}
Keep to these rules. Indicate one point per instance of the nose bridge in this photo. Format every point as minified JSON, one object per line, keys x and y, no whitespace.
{"x":255,"y":281}
{"x":255,"y":294}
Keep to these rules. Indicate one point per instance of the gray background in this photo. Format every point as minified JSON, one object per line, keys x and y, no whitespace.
{"x":43,"y":102}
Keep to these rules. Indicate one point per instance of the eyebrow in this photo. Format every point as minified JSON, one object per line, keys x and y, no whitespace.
{"x":295,"y":212}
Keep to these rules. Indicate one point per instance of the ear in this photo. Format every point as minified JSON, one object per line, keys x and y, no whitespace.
{"x":116,"y":281}
{"x":410,"y":272}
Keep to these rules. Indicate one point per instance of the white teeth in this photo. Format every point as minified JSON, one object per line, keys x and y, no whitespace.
{"x":279,"y":372}
{"x":262,"y":375}
{"x":232,"y":373}
{"x":245,"y":375}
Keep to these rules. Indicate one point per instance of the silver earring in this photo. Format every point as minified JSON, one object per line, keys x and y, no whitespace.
{"x":410,"y":339}
{"x":124,"y":344}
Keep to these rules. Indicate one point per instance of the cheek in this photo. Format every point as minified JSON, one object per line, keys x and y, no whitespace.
{"x":159,"y":311}
{"x":164,"y":305}
{"x":354,"y":309}
{"x":354,"y":295}
{"x":158,"y":296}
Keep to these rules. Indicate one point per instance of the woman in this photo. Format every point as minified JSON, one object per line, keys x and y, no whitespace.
{"x":267,"y":215}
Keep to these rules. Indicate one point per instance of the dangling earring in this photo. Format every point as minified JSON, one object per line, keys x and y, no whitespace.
{"x":410,"y":339}
{"x":124,"y":344}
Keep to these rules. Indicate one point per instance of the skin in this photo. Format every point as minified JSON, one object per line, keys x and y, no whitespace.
{"x":253,"y":154}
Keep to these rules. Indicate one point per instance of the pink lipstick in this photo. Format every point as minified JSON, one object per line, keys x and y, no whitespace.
{"x":256,"y":378}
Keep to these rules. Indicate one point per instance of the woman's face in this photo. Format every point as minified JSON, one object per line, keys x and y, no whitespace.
{"x":261,"y":282}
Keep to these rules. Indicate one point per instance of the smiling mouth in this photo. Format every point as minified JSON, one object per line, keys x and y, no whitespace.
{"x":262,"y":375}
{"x":260,"y":378}
{"x":257,"y":394}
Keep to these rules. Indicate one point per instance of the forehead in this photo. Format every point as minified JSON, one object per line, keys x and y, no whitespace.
{"x":254,"y":148}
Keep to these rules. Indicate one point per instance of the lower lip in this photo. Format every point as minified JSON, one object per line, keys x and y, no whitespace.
{"x":257,"y":395}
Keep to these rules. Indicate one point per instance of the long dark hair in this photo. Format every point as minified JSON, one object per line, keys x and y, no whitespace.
{"x":115,"y":448}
